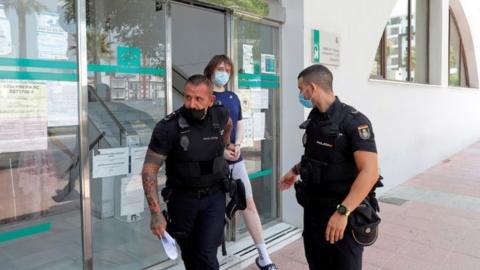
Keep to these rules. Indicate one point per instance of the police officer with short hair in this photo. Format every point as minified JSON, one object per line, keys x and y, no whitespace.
{"x":339,"y":169}
{"x":191,"y":141}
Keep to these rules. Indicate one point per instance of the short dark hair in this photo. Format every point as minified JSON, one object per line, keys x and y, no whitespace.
{"x":199,"y":79}
{"x":214,"y":62}
{"x":319,"y":75}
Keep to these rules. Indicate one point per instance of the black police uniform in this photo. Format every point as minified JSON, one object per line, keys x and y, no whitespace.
{"x":195,"y":170}
{"x":328,"y":170}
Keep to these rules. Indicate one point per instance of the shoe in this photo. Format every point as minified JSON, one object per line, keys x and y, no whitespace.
{"x":271,"y":266}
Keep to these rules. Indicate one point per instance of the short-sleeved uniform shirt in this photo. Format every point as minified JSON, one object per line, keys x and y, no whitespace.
{"x":165,"y":136}
{"x":231,"y":101}
{"x":355,"y":126}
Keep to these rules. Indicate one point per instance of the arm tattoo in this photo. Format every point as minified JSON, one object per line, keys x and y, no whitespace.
{"x":228,"y":131}
{"x":151,"y":166}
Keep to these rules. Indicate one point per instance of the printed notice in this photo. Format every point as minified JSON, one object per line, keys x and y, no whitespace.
{"x":62,"y":104}
{"x":267,"y":63}
{"x":259,"y":98}
{"x":5,"y":34}
{"x":23,"y":116}
{"x":258,"y":126}
{"x":248,"y":59}
{"x":131,"y":197}
{"x":245,"y":99}
{"x":110,"y":162}
{"x":248,"y":132}
{"x":138,"y":156}
{"x":52,"y":40}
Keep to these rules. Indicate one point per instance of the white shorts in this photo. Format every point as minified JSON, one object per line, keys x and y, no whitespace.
{"x":239,"y":171}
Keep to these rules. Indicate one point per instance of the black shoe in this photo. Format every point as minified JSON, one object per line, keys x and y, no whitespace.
{"x":271,"y":266}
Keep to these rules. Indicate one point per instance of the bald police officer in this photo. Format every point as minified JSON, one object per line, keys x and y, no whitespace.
{"x":339,"y":168}
{"x":191,"y":141}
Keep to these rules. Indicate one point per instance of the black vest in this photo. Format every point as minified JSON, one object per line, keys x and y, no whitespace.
{"x":327,"y":165}
{"x":196,"y":160}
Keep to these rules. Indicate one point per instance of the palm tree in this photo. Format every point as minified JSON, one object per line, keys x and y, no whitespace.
{"x":23,"y":8}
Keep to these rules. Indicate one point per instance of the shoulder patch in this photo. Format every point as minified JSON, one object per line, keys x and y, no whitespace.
{"x":364,"y":132}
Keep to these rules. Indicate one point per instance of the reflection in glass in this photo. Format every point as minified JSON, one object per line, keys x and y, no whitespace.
{"x":39,"y":153}
{"x":396,"y":42}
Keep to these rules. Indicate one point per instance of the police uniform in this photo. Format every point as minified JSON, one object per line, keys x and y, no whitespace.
{"x":195,"y":170}
{"x":328,"y":170}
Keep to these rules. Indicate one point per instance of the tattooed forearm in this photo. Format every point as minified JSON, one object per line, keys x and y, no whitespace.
{"x":151,"y":166}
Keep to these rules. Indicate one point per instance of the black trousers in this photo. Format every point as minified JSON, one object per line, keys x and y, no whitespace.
{"x":345,"y":254}
{"x":197,"y":225}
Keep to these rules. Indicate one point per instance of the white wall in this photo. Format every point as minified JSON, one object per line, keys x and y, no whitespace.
{"x":416,"y":126}
{"x":291,"y":114}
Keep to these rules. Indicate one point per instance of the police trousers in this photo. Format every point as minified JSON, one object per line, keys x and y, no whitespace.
{"x":197,"y":224}
{"x":345,"y":254}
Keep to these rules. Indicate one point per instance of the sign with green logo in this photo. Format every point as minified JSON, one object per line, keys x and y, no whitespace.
{"x":315,"y":46}
{"x":128,"y":56}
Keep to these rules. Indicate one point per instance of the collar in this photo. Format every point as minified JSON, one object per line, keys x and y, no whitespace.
{"x":334,"y":107}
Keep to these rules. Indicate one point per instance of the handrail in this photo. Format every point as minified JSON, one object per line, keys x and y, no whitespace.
{"x":177,"y":70}
{"x":94,"y":142}
{"x":110,"y":113}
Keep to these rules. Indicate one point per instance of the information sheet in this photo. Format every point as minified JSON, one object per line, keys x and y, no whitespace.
{"x":110,"y":162}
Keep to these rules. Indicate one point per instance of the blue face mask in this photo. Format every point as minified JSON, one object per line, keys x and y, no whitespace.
{"x":220,"y":78}
{"x":305,"y":102}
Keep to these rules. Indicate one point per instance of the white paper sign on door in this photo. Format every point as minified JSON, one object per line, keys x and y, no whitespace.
{"x":131,"y":196}
{"x":248,"y":67}
{"x":137,"y":158}
{"x":110,"y":162}
{"x":258,"y":126}
{"x":23,"y":116}
{"x":259,"y":98}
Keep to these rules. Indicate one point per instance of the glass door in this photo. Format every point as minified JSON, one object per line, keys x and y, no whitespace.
{"x":39,"y":142}
{"x":127,"y":97}
{"x":256,"y":54}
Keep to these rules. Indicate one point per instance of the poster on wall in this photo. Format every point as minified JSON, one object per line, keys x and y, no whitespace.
{"x":23,"y":116}
{"x":62,"y":103}
{"x":259,"y":98}
{"x":325,"y":48}
{"x":52,"y":40}
{"x":245,"y":99}
{"x":268,"y":63}
{"x":5,"y":34}
{"x":248,"y":67}
{"x":110,"y":162}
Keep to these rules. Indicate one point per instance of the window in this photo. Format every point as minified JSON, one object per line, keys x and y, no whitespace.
{"x":403,"y":50}
{"x":457,"y":67}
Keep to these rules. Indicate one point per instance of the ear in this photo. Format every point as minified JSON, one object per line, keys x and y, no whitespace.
{"x":213,"y":98}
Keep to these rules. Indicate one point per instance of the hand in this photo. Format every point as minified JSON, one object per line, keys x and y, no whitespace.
{"x":237,"y":151}
{"x":229,"y":153}
{"x":336,"y":227}
{"x":158,"y":225}
{"x":287,"y":180}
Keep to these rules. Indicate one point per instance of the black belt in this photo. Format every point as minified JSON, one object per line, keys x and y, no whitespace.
{"x":199,"y":192}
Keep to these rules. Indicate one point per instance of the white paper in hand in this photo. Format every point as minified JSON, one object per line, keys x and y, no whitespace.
{"x":170,"y":246}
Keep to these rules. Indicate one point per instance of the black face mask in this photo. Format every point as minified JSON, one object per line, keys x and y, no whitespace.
{"x":194,"y":114}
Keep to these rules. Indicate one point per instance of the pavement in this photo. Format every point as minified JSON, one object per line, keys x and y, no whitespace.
{"x":431,"y":221}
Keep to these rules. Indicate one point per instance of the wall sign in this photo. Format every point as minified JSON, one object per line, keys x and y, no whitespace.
{"x":325,"y":48}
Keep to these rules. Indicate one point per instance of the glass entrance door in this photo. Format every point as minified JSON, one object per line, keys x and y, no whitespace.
{"x":39,"y":143}
{"x":256,"y":55}
{"x":127,"y":97}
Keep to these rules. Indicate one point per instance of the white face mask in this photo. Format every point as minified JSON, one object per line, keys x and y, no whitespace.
{"x":220,"y":78}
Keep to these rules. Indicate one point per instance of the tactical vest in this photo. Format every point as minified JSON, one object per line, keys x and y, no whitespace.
{"x":328,"y":166}
{"x":196,"y":160}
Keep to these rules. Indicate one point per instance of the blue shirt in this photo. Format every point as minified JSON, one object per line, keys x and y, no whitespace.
{"x":231,"y":101}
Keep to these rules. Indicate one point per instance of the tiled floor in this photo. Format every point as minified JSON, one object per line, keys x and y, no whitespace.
{"x":437,"y":226}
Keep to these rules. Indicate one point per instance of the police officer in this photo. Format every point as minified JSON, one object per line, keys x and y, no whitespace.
{"x":191,"y":141}
{"x":339,"y":168}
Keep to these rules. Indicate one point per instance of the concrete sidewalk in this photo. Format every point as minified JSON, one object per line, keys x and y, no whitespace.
{"x":430,"y":222}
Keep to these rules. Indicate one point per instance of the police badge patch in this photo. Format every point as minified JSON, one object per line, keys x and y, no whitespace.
{"x":364,"y":132}
{"x":184,"y":142}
